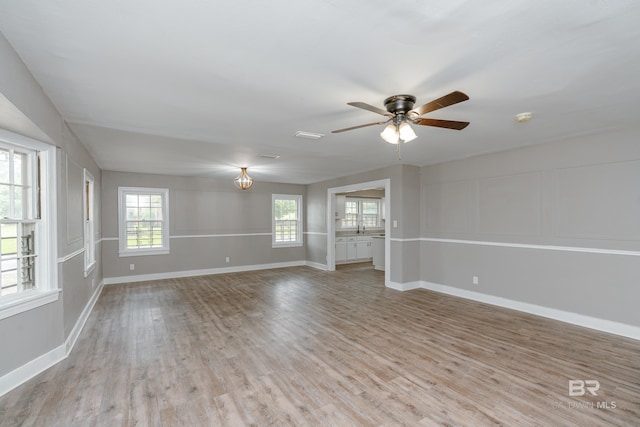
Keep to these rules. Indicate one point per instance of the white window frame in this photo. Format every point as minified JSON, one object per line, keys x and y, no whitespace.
{"x":360,"y":213}
{"x":46,"y":290}
{"x":122,"y":234}
{"x":300,"y":240}
{"x":88,"y":215}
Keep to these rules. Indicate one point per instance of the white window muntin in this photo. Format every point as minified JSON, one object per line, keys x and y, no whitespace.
{"x":155,"y":237}
{"x":286,"y":232}
{"x":40,"y":216}
{"x":357,"y":216}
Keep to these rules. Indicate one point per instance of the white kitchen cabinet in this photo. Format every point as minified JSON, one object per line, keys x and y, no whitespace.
{"x":363,"y":248}
{"x":352,"y":248}
{"x":341,"y":249}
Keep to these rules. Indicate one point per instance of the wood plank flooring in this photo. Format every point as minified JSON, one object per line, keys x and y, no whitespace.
{"x":299,"y":346}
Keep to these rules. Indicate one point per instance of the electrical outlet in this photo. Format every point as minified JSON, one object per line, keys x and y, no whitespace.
{"x":475,"y":280}
{"x":227,"y":259}
{"x":132,"y":267}
{"x":395,"y":223}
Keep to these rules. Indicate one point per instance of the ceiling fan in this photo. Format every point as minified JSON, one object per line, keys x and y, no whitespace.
{"x":400,"y":111}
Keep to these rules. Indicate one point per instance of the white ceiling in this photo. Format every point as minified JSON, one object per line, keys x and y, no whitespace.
{"x":203,"y":87}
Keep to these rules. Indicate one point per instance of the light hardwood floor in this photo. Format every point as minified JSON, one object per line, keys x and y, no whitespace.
{"x":299,"y":346}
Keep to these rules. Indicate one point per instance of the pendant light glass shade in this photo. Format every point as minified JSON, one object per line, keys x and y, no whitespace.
{"x":406,"y":132}
{"x":390,"y":134}
{"x":243,"y":181}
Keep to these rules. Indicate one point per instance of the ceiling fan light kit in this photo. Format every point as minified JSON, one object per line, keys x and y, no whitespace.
{"x":243,"y":181}
{"x":399,"y":109}
{"x":393,"y":133}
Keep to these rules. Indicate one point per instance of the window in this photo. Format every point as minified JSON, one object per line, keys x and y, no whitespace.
{"x":287,"y":220}
{"x":362,"y":213}
{"x":18,"y":213}
{"x":143,"y":221}
{"x":89,"y":227}
{"x":350,"y":219}
{"x":370,"y":213}
{"x":27,"y":224}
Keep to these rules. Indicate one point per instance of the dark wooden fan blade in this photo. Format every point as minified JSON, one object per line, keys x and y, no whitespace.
{"x":445,"y":101}
{"x":358,"y":127}
{"x":368,"y":107}
{"x":449,"y":124}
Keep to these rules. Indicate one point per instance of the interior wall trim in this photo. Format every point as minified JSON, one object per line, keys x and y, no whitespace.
{"x":71,"y":255}
{"x":202,"y":272}
{"x":316,"y":265}
{"x":198,"y":236}
{"x":41,"y":363}
{"x":30,"y":369}
{"x":603,"y":325}
{"x":590,"y":322}
{"x":523,"y":246}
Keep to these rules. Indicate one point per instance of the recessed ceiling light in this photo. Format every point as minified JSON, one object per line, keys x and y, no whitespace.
{"x":523,"y":117}
{"x":310,"y":135}
{"x":269,"y":156}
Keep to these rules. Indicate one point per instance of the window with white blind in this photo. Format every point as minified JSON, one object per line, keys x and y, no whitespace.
{"x":287,"y":220}
{"x":143,"y":221}
{"x":27,"y":229}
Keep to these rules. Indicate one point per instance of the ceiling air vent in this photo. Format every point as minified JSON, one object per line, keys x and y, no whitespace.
{"x":309,"y":135}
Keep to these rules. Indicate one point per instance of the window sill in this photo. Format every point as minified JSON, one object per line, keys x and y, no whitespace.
{"x":25,"y":301}
{"x":144,"y":253}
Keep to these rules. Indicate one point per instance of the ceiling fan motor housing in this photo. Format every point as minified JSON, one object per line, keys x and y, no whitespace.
{"x":399,"y":104}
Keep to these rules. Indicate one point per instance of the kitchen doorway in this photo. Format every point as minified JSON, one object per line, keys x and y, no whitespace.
{"x":345,"y":228}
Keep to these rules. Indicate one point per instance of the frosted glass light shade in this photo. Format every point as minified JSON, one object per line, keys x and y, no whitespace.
{"x":406,"y":132}
{"x":390,"y":134}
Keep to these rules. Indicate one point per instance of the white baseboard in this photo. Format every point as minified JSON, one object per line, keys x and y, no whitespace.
{"x":75,"y":332}
{"x":603,"y":325}
{"x":316,"y":265}
{"x":34,"y":367}
{"x":404,"y":286}
{"x":202,"y":272}
{"x":30,"y":369}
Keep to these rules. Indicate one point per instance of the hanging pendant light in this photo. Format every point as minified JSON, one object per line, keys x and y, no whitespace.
{"x":243,"y":181}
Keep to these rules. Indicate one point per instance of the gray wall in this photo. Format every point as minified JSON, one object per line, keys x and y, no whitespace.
{"x":204,"y":214}
{"x":25,"y":109}
{"x":583,"y":193}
